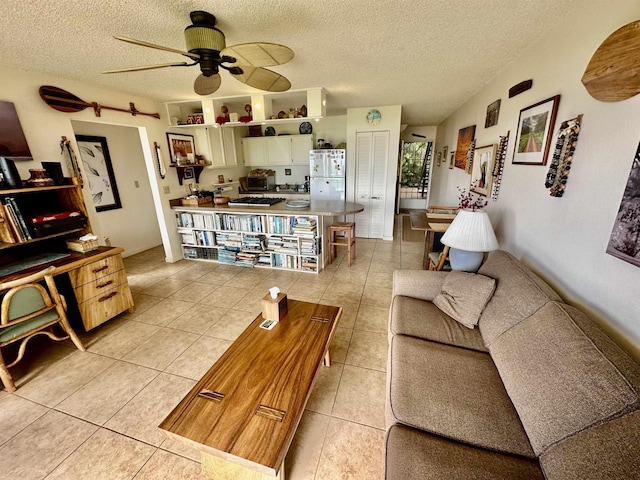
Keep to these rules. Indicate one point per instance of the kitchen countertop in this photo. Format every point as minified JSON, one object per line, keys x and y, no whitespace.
{"x":317,"y":207}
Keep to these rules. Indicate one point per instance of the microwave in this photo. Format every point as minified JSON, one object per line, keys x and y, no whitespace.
{"x":261,"y":184}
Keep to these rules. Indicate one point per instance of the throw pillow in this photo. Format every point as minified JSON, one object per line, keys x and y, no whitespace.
{"x":464,"y":296}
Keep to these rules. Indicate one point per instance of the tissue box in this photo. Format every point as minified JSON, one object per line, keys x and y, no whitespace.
{"x":274,"y":308}
{"x":82,"y":246}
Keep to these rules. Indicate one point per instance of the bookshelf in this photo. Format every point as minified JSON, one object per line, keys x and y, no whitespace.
{"x":27,"y":215}
{"x":255,"y":240}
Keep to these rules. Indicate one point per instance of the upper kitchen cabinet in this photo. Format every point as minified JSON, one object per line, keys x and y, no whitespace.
{"x":221,"y":147}
{"x":282,"y":150}
{"x":263,"y":106}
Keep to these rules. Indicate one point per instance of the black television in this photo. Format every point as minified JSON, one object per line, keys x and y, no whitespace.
{"x":13,"y":144}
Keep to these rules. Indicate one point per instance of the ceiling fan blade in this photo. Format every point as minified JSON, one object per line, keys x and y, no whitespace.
{"x":149,"y":67}
{"x":207,"y":85}
{"x":142,"y":43}
{"x":259,"y":54}
{"x":263,"y":79}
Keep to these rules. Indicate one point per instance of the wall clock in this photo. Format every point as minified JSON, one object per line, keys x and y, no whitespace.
{"x":374,"y":117}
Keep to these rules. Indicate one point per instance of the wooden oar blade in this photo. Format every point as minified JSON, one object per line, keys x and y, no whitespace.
{"x":62,"y":100}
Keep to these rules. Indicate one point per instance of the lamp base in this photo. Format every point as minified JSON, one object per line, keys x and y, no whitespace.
{"x":465,"y":261}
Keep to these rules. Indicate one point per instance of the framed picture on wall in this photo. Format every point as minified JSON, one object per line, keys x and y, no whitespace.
{"x":452,"y":157}
{"x":493,"y":111}
{"x":465,"y":137}
{"x":481,"y":173}
{"x":98,"y":170}
{"x":181,"y":147}
{"x":535,"y":128}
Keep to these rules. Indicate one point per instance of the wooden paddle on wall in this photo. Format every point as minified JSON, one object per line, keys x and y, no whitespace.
{"x":613,"y":73}
{"x":67,"y":102}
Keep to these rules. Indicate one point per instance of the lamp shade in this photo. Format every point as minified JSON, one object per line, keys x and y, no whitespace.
{"x":471,"y":231}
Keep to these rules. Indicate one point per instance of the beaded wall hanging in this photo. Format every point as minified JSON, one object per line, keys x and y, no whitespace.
{"x":563,"y":156}
{"x":498,"y":165}
{"x":472,"y":148}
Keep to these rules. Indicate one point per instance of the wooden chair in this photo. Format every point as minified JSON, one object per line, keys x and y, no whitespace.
{"x":28,"y":309}
{"x":437,"y":260}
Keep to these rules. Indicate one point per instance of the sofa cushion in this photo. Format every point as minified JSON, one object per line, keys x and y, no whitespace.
{"x":413,"y":454}
{"x":609,"y":450}
{"x":558,"y":379}
{"x":453,"y":392}
{"x":519,"y":292}
{"x":422,"y":319}
{"x":464,"y":296}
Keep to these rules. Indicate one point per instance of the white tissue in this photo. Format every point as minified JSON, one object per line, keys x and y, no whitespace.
{"x":87,"y":237}
{"x":274,"y":291}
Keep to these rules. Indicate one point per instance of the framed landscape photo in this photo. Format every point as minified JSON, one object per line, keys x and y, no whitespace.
{"x":465,"y":137}
{"x":182,"y":146}
{"x":493,"y":111}
{"x":96,"y":161}
{"x":481,"y":173}
{"x":535,"y":128}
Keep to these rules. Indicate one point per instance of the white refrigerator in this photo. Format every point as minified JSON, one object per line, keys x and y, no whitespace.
{"x":328,"y":167}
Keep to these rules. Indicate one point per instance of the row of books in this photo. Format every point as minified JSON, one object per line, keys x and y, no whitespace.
{"x":17,"y":222}
{"x":200,"y":253}
{"x":242,"y":223}
{"x":305,"y":227}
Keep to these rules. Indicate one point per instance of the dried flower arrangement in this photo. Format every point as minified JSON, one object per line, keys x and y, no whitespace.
{"x":470,"y":200}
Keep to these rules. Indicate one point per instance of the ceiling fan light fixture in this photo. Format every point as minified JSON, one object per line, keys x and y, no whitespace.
{"x":199,"y":38}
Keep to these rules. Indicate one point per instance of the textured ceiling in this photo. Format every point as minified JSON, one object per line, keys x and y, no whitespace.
{"x":429,"y":56}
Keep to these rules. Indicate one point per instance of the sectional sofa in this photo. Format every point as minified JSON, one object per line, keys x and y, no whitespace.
{"x":535,"y":390}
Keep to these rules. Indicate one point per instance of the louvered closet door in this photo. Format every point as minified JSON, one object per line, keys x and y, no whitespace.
{"x":371,"y":179}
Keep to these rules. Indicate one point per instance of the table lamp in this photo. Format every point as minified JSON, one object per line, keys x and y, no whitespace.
{"x":469,"y":236}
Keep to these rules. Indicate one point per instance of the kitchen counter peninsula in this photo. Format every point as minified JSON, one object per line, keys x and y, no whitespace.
{"x":259,"y":236}
{"x":317,"y":207}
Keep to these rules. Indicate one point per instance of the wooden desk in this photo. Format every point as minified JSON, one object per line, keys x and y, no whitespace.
{"x":98,"y":279}
{"x":430,"y":223}
{"x":242,"y":415}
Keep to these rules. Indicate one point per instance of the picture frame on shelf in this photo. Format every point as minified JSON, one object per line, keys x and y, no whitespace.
{"x":99,"y":175}
{"x":181,"y":146}
{"x":465,"y":137}
{"x":481,"y":171}
{"x":534,"y":132}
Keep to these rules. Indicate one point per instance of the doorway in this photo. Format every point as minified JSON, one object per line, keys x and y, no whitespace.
{"x":414,"y":176}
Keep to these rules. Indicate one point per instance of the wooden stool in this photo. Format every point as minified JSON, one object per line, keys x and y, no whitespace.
{"x":349,"y":229}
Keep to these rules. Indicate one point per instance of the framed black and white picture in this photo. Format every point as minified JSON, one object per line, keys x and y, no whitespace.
{"x":98,"y":171}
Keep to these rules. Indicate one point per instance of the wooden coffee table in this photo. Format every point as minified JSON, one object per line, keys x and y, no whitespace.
{"x":242,"y":415}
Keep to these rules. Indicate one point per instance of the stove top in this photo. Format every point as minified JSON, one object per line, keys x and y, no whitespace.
{"x":255,"y":201}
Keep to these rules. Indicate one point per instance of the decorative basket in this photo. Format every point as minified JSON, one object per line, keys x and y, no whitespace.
{"x":195,"y":201}
{"x":82,"y":246}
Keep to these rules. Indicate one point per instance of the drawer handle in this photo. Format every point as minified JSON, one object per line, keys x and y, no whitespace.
{"x":106,"y":284}
{"x":107,"y":297}
{"x":104,"y":267}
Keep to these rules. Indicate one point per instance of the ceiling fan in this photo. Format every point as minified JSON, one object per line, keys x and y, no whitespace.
{"x":206,"y":48}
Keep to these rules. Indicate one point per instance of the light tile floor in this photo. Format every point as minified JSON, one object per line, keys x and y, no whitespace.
{"x":94,"y":414}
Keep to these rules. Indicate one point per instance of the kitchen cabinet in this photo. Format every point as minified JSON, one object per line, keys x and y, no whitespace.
{"x":282,"y":150}
{"x":371,"y":167}
{"x":220,"y":146}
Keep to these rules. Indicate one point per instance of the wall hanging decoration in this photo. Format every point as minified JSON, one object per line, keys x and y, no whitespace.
{"x":465,"y":136}
{"x":612,"y":72}
{"x":624,"y":242}
{"x":452,"y":157}
{"x":63,"y":101}
{"x":472,"y":148}
{"x":520,"y":88}
{"x":493,"y":112}
{"x":498,"y":166}
{"x":482,"y":169}
{"x":563,"y":156}
{"x":533,"y":138}
{"x":100,"y":178}
{"x":161,"y":168}
{"x":71,"y":160}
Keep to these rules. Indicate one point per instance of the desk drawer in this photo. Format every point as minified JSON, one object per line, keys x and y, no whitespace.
{"x":95,"y":270}
{"x":100,"y":285}
{"x":107,"y":305}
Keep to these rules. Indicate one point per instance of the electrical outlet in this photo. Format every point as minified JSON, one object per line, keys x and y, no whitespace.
{"x":136,"y":183}
{"x":166,"y":189}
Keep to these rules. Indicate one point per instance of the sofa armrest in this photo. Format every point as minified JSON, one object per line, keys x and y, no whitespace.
{"x":421,"y":284}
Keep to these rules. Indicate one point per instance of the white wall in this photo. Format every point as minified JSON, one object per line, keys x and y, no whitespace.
{"x":133,"y":227}
{"x":563,"y":239}
{"x":357,"y":122}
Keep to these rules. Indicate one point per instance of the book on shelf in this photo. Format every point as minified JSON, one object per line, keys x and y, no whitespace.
{"x":47,"y":217}
{"x":17,"y":215}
